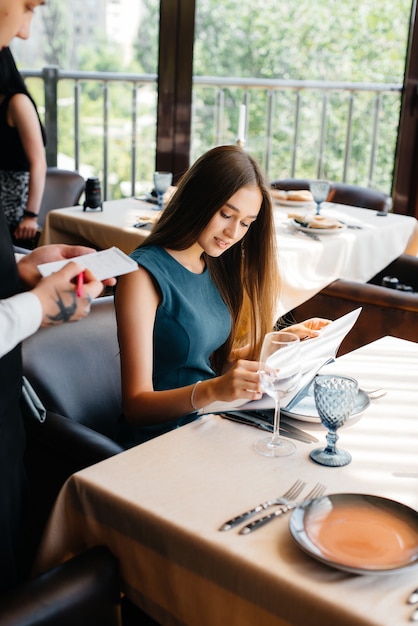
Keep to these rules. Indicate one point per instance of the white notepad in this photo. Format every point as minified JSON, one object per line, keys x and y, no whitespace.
{"x":103,"y":264}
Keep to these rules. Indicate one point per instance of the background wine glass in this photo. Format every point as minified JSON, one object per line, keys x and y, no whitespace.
{"x":319,"y":190}
{"x":335,"y":397}
{"x":162,"y":181}
{"x":280,"y":373}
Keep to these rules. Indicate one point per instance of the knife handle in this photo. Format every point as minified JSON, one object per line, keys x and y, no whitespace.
{"x":241,"y":518}
{"x":265,"y":519}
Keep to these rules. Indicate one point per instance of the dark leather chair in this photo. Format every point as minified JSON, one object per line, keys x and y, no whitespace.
{"x":74,"y":370}
{"x":385,"y":311}
{"x":342,"y":193}
{"x":290,"y":184}
{"x":363,"y":197}
{"x":63,"y":188}
{"x":83,"y":591}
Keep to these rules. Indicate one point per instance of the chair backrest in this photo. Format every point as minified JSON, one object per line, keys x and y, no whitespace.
{"x":63,"y":188}
{"x":356,"y":195}
{"x":342,"y":193}
{"x":75,"y":369}
{"x":291,"y":184}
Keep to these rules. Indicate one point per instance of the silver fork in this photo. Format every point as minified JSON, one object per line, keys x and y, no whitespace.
{"x":318,"y":490}
{"x":290,"y":494}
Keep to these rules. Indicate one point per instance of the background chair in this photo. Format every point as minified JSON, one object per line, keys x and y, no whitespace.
{"x":342,"y":193}
{"x":356,"y":195}
{"x":291,"y":184}
{"x":82,"y":591}
{"x":385,"y":311}
{"x":63,"y":188}
{"x":74,"y":370}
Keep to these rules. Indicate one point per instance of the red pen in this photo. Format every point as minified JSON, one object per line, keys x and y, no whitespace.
{"x":80,"y":283}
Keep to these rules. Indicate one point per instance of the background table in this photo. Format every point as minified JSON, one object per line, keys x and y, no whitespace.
{"x":111,"y":227}
{"x":307,"y":266}
{"x":158,"y":507}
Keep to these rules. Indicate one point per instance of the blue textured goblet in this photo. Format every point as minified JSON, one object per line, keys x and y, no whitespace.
{"x":319,"y":190}
{"x":335,"y":397}
{"x":162,"y":181}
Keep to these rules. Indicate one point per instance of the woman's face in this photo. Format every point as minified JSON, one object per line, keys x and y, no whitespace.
{"x":15,"y":19}
{"x":232,"y":221}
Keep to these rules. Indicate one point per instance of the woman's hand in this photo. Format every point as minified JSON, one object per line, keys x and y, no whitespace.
{"x":240,"y":382}
{"x":27,"y":228}
{"x":309,"y":328}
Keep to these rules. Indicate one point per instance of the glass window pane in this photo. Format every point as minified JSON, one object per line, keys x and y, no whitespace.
{"x":289,"y":122}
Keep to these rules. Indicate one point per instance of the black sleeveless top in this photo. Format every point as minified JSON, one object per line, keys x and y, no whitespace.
{"x":12,"y":153}
{"x":12,"y":439}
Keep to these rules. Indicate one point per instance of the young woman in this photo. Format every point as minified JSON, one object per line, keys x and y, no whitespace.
{"x":191,"y":320}
{"x":22,"y":153}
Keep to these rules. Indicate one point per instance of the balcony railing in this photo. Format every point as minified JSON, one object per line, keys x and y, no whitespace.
{"x":341,"y":131}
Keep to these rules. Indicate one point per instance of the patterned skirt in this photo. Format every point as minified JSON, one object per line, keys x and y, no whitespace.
{"x":14,"y":189}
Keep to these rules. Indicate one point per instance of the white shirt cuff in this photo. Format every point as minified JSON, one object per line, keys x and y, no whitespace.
{"x":20,"y":317}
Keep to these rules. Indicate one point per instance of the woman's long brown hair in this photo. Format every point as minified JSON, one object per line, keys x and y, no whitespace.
{"x":247,"y":273}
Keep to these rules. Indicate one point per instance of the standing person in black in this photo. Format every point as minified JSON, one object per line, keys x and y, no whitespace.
{"x":46,"y":302}
{"x":22,"y":154}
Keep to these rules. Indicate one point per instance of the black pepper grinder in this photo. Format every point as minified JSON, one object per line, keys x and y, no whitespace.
{"x":93,"y":195}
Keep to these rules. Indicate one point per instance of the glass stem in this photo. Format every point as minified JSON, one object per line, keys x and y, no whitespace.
{"x":332,"y":438}
{"x":275,"y":440}
{"x":318,"y":208}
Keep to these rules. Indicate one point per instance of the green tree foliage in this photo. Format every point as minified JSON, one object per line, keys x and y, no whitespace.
{"x":56,"y":34}
{"x":146,"y":46}
{"x":316,"y":40}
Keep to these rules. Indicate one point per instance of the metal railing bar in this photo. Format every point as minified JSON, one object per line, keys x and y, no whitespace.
{"x":105,"y":138}
{"x":348,"y":137}
{"x":77,"y":94}
{"x":133,"y":136}
{"x":320,"y":169}
{"x":378,"y":104}
{"x":295,"y":134}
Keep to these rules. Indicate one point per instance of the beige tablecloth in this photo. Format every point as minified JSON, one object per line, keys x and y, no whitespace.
{"x":111,"y":227}
{"x":307,"y":266}
{"x":159,"y":506}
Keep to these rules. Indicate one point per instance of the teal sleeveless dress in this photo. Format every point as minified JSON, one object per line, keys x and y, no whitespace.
{"x":191,"y":322}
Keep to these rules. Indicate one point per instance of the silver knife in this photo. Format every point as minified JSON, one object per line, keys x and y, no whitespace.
{"x":284,"y":424}
{"x":287,"y":430}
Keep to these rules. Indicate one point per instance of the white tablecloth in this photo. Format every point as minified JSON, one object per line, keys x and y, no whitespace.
{"x":306,"y":265}
{"x":159,"y":506}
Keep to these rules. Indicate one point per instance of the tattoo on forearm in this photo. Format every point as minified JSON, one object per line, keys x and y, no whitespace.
{"x":65,"y":312}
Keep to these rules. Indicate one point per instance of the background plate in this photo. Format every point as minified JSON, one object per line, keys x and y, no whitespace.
{"x":357,"y":533}
{"x":297,"y":204}
{"x":317,"y":231}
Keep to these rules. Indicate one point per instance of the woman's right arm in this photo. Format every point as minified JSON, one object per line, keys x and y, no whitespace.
{"x":24,"y":117}
{"x":136,"y":302}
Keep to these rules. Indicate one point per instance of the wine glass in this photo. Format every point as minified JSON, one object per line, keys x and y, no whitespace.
{"x":335,"y":397}
{"x":319,"y":190}
{"x":162,"y":181}
{"x":280,"y":373}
